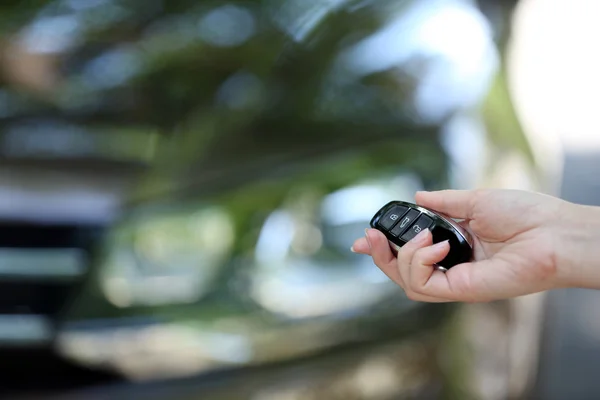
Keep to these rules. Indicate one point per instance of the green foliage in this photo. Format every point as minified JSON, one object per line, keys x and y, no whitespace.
{"x":502,"y":123}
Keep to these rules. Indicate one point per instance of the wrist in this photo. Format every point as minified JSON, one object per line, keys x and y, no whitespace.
{"x":578,"y":246}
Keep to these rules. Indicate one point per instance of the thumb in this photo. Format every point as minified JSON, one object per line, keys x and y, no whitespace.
{"x":453,"y":203}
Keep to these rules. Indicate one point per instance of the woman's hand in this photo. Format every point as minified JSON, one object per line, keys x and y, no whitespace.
{"x":522,"y":242}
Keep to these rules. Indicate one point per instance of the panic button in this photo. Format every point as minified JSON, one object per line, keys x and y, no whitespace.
{"x":423,"y":222}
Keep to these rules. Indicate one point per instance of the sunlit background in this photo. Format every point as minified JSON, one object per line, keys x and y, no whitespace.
{"x":181,"y":182}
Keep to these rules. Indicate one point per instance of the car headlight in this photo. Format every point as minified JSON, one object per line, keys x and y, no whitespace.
{"x":303,"y":264}
{"x":168,"y":258}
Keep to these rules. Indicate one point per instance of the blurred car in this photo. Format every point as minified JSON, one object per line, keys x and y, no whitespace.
{"x":182,"y":181}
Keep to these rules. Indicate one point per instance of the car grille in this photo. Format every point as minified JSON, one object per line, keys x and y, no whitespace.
{"x":40,"y":266}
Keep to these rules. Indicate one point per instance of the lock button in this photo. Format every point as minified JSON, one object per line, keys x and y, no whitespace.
{"x":392,"y":217}
{"x":422,"y":223}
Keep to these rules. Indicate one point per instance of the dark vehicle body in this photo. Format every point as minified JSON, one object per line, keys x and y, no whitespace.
{"x":181,"y":182}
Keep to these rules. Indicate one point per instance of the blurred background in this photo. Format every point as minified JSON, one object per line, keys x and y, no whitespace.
{"x":181,"y":182}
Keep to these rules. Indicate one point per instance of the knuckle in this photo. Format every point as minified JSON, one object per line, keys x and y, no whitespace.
{"x":378,"y":256}
{"x":412,"y":295}
{"x":479,"y":196}
{"x":419,"y":257}
{"x":404,"y":255}
{"x":406,"y":249}
{"x":380,"y":264}
{"x":549,"y":264}
{"x":463,"y":287}
{"x":375,"y":256}
{"x":417,"y":289}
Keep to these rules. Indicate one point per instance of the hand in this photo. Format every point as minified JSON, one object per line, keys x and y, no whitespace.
{"x":516,"y":236}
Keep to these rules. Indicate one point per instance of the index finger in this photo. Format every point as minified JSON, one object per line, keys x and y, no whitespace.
{"x":453,"y":203}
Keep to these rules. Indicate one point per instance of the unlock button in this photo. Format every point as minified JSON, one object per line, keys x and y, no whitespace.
{"x":423,"y":222}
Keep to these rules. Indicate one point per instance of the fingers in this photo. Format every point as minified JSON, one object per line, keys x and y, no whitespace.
{"x":422,"y":268}
{"x":472,"y":282}
{"x":361,"y":246}
{"x":423,"y":298}
{"x":414,"y":271}
{"x":416,"y":261}
{"x":382,"y":255}
{"x":453,"y":203}
{"x":407,"y":252}
{"x":396,"y":269}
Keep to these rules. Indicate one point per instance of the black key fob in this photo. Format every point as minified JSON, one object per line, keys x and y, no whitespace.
{"x":401,"y":221}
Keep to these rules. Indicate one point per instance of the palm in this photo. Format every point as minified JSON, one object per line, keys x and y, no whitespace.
{"x":510,"y":235}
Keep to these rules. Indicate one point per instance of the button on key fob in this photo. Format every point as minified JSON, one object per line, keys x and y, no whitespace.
{"x":401,"y":221}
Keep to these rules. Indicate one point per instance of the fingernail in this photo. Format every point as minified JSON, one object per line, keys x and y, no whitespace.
{"x":367,"y":236}
{"x":439,"y":246}
{"x":352,"y":249}
{"x":421,"y":236}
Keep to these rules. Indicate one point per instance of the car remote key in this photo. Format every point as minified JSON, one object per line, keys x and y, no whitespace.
{"x":400,"y":221}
